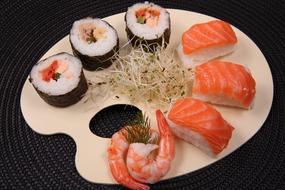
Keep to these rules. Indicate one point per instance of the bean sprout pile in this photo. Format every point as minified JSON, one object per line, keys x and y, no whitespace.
{"x":148,"y":76}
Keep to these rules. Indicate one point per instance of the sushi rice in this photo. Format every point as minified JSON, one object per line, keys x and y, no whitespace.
{"x":203,"y":56}
{"x":192,"y":137}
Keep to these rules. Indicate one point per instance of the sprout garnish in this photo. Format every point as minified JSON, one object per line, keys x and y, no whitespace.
{"x":148,"y":76}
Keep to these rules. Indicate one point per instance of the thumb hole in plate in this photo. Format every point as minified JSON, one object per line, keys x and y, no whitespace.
{"x":111,"y":119}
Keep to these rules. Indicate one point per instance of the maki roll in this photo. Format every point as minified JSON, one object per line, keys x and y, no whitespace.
{"x":94,"y":42}
{"x":59,"y":80}
{"x":148,"y":24}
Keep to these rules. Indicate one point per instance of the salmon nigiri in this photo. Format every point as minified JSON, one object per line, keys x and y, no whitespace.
{"x":206,"y":41}
{"x":200,"y":124}
{"x":224,"y":83}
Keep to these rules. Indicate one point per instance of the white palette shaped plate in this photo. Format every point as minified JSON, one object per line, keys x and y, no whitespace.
{"x":91,"y":154}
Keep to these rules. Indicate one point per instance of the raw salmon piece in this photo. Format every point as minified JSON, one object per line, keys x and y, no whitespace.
{"x":49,"y":72}
{"x":205,"y":35}
{"x":200,"y":124}
{"x":224,"y":83}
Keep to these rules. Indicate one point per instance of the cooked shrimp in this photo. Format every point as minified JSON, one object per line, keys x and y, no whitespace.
{"x":140,"y":162}
{"x":116,"y":153}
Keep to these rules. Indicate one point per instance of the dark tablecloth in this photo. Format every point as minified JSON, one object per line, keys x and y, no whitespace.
{"x":32,"y":161}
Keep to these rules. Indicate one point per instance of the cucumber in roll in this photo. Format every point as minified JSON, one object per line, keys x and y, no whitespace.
{"x":59,"y":80}
{"x":94,"y":42}
{"x":149,"y":24}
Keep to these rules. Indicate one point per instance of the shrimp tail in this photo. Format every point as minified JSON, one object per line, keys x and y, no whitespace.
{"x":132,"y":184}
{"x":162,"y":123}
{"x":140,"y":186}
{"x":165,"y":131}
{"x":126,"y":180}
{"x":117,"y":165}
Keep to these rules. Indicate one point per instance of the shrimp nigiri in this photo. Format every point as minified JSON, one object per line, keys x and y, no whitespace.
{"x":199,"y":124}
{"x":116,"y":158}
{"x":147,"y":167}
{"x":224,"y":83}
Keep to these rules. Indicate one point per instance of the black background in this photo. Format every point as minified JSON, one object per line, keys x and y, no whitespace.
{"x":32,"y":161}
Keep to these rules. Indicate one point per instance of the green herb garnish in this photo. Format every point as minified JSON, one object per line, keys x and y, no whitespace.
{"x":141,"y":20}
{"x":91,"y":38}
{"x":138,"y":130}
{"x":56,"y":76}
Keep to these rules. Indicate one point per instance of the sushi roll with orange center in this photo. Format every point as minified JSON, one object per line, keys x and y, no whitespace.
{"x":149,"y":24}
{"x":94,"y":42}
{"x":206,"y":41}
{"x":59,"y":80}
